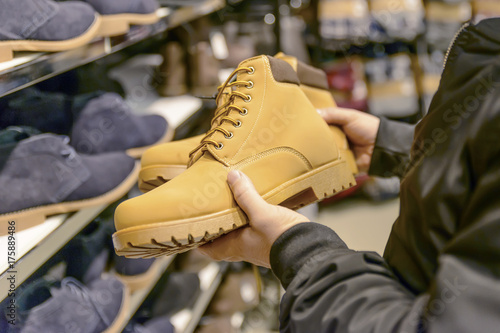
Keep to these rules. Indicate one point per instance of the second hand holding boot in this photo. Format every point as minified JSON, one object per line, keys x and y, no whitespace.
{"x":269,"y":130}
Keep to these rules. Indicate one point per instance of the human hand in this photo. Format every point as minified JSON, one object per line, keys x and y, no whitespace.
{"x":266,"y":223}
{"x":360,"y":128}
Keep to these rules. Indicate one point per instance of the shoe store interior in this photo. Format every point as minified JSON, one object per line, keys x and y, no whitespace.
{"x":119,"y":124}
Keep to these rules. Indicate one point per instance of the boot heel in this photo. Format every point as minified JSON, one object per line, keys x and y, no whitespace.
{"x":316,"y":185}
{"x":6,"y":53}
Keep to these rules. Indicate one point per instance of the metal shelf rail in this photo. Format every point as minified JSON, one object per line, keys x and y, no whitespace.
{"x":30,"y":68}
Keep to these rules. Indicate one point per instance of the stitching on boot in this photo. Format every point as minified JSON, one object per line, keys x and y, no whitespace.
{"x":270,"y":152}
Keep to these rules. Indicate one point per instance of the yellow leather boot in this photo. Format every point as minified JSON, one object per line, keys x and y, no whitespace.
{"x":165,"y":161}
{"x":314,"y":84}
{"x":267,"y":129}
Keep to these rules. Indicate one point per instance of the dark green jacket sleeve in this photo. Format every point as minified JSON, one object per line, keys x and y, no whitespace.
{"x":330,"y":288}
{"x":391,"y":154}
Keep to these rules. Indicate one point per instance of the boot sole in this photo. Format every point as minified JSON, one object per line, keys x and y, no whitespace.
{"x":7,"y":48}
{"x":137,"y":152}
{"x":119,"y":24}
{"x":37,"y":215}
{"x":153,"y":176}
{"x":166,"y":238}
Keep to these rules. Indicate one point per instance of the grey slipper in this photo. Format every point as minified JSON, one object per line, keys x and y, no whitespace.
{"x":43,"y":25}
{"x":107,"y":124}
{"x":74,"y":307}
{"x":44,"y":176}
{"x":117,"y":16}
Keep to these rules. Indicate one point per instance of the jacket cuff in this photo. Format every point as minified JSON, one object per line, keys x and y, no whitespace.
{"x":299,"y":244}
{"x":392,"y":149}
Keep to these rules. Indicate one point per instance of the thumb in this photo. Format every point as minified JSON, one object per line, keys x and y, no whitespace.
{"x":245,"y":193}
{"x":337,"y":116}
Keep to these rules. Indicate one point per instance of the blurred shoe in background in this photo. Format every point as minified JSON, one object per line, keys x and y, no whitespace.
{"x":444,"y":19}
{"x":485,"y":9}
{"x":392,"y":88}
{"x":172,"y":73}
{"x":204,"y":70}
{"x":346,"y":21}
{"x":399,"y":19}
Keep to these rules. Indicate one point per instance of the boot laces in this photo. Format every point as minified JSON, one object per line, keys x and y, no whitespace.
{"x":222,"y":113}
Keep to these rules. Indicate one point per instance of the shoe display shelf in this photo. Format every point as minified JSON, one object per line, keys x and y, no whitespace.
{"x":138,"y":297}
{"x":40,"y":243}
{"x":29,"y":68}
{"x":211,"y":276}
{"x":35,"y":246}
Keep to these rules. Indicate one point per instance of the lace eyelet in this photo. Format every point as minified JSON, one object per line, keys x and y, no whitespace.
{"x":220,"y":146}
{"x":252,"y":70}
{"x":230,"y":136}
{"x":250,"y":85}
{"x":245,"y":112}
{"x":238,"y":124}
{"x":248,"y":99}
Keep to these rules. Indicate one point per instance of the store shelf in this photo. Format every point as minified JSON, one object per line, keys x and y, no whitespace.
{"x":30,"y":68}
{"x":211,"y":276}
{"x":138,"y":297}
{"x":36,"y":245}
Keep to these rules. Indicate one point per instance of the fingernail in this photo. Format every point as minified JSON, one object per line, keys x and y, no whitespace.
{"x":233,"y":176}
